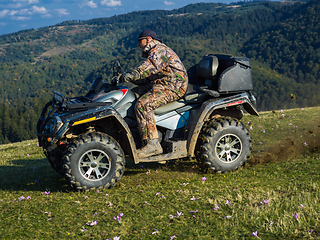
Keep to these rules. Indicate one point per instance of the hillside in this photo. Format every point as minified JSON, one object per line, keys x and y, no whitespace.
{"x":66,"y":57}
{"x":275,"y":197}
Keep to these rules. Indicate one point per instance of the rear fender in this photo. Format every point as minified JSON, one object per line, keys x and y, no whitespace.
{"x":206,"y":111}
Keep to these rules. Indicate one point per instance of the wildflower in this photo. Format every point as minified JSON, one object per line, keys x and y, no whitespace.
{"x":158,"y":193}
{"x":118,"y":218}
{"x":255,"y":234}
{"x":98,"y":191}
{"x":95,"y":214}
{"x":155,"y":231}
{"x":193,"y":198}
{"x":310,"y":231}
{"x":216,"y":207}
{"x":116,"y":238}
{"x":83,"y":229}
{"x":179,"y":214}
{"x":264,"y":131}
{"x":28,"y":155}
{"x":296,"y":216}
{"x":204,"y":179}
{"x":251,"y":128}
{"x":148,"y":172}
{"x":21,"y":198}
{"x":228,"y":203}
{"x":172,"y":237}
{"x":86,"y":197}
{"x":301,"y":205}
{"x":184,"y":184}
{"x":92,"y":223}
{"x":264,"y":202}
{"x":171,"y":216}
{"x":146,"y":203}
{"x":271,"y":223}
{"x":305,"y":144}
{"x":107,"y":195}
{"x":29,"y":197}
{"x":46,"y":193}
{"x":227,"y":217}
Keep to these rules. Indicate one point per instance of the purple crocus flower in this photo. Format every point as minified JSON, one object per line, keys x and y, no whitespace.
{"x":255,"y":234}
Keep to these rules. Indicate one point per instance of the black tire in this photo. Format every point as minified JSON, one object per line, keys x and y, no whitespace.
{"x":224,"y":145}
{"x":92,"y":161}
{"x":55,"y":159}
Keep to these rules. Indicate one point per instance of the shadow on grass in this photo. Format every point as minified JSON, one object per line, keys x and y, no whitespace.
{"x":177,"y":165}
{"x":31,"y":175}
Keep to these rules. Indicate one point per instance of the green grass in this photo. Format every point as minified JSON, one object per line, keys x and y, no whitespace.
{"x":283,"y":171}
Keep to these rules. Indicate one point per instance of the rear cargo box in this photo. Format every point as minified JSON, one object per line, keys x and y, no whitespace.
{"x":234,"y":74}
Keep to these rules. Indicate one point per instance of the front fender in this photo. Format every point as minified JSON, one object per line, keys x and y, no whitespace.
{"x":104,"y":115}
{"x":207,"y":109}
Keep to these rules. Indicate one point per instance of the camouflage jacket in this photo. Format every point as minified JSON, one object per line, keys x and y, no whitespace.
{"x":164,"y":67}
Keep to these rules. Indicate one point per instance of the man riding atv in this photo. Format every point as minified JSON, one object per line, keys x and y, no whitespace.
{"x":161,"y":79}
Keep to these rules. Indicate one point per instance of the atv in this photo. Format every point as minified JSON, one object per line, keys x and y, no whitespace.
{"x":87,"y":139}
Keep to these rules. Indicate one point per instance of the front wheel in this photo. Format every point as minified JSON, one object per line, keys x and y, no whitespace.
{"x":224,"y":145}
{"x":94,"y":160}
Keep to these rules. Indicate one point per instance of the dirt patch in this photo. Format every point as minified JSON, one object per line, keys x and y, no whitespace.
{"x":56,"y":51}
{"x":289,"y":148}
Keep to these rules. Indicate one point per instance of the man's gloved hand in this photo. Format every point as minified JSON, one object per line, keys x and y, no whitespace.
{"x":130,"y":76}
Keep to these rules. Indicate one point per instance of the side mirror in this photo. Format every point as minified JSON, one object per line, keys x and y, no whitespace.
{"x":116,"y":68}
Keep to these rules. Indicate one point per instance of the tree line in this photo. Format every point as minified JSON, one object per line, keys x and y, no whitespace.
{"x":281,"y":39}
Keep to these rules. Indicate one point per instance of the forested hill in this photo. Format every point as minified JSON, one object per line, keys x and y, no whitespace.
{"x":281,"y":39}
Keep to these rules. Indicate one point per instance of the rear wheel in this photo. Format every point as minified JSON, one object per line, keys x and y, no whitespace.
{"x":224,"y":145}
{"x":94,"y":160}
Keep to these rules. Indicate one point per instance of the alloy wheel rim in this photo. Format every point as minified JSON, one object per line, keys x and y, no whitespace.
{"x":94,"y":165}
{"x":228,"y":148}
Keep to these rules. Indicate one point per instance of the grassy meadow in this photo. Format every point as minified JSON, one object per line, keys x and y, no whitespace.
{"x":275,"y":196}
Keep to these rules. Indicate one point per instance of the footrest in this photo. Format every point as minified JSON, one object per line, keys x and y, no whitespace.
{"x":172,"y":145}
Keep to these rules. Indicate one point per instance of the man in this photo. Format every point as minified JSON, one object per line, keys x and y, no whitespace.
{"x":162,"y":79}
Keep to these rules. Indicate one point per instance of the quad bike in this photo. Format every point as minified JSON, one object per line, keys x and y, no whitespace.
{"x":87,"y":139}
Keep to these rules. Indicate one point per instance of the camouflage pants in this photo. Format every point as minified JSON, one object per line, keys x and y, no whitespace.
{"x":158,"y":96}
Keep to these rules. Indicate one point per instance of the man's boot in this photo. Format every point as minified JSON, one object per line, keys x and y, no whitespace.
{"x":153,"y":147}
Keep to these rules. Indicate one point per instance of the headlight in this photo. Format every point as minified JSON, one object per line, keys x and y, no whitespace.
{"x":53,"y":125}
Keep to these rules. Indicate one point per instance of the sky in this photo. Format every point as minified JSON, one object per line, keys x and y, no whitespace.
{"x":16,"y":15}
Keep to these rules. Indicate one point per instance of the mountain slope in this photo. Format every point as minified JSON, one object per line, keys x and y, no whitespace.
{"x":66,"y":57}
